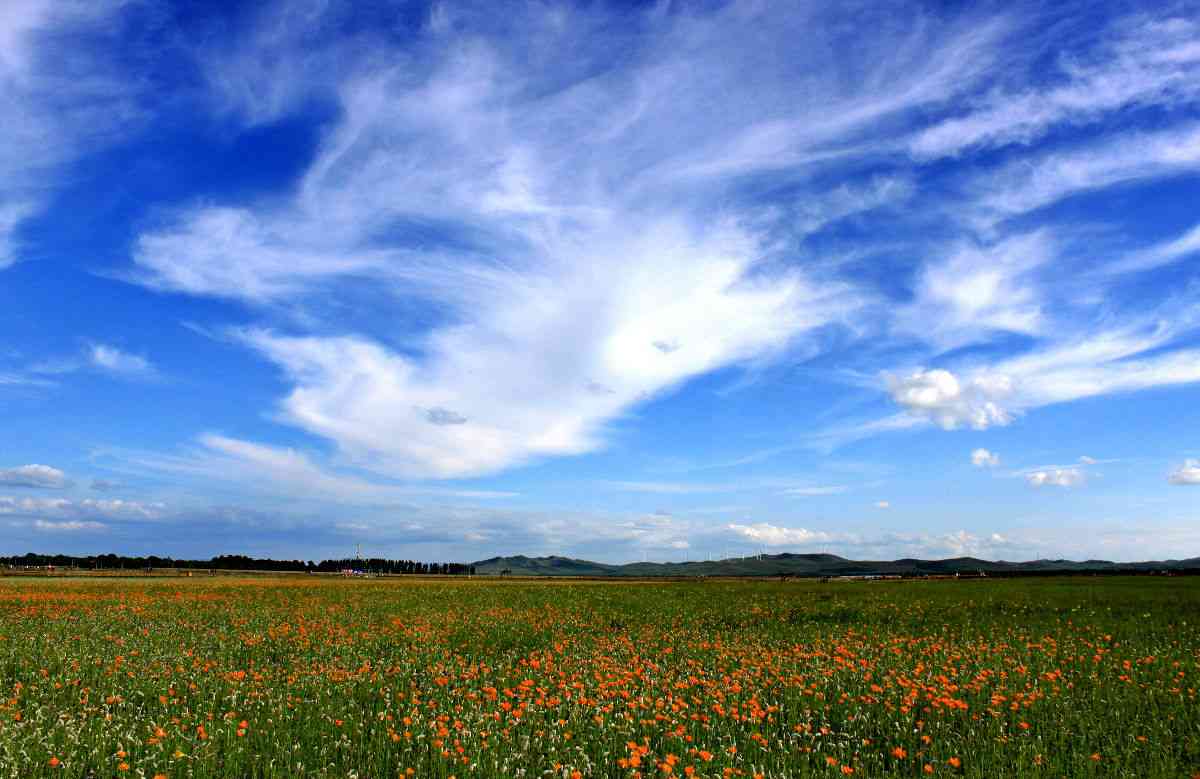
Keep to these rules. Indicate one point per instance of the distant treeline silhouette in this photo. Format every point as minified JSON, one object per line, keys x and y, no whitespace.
{"x":238,"y":563}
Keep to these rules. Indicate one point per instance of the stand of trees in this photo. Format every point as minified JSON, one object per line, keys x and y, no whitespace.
{"x":237,"y":563}
{"x":379,"y":565}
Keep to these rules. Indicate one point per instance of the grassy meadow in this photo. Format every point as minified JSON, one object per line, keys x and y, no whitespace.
{"x":310,"y":676}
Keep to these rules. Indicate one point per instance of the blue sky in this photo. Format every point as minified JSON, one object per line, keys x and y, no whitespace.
{"x":662,"y":281}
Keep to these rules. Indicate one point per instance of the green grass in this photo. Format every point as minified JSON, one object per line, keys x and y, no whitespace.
{"x":1042,"y":677}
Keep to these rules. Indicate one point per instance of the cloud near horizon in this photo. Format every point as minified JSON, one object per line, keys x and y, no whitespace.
{"x":35,"y":476}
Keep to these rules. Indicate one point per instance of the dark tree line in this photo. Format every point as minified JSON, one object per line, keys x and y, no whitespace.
{"x":237,"y":563}
{"x":379,"y":565}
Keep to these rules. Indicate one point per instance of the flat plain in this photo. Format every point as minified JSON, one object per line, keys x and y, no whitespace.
{"x":311,"y":676}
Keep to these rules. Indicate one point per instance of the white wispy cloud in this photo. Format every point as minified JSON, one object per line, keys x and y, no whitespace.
{"x":67,"y":526}
{"x":277,"y":471}
{"x":113,"y":360}
{"x":846,"y":200}
{"x":99,"y":357}
{"x":63,"y":98}
{"x":1123,"y":359}
{"x":604,"y":237}
{"x":1155,"y":256}
{"x":1029,"y":184}
{"x":808,"y":492}
{"x":228,"y":252}
{"x":582,"y":250}
{"x":780,"y":486}
{"x":1139,"y":62}
{"x":43,"y":476}
{"x":546,"y":352}
{"x":1057,"y":477}
{"x":88,"y":510}
{"x":19,"y":379}
{"x":668,"y":488}
{"x":1079,"y":363}
{"x":975,"y":292}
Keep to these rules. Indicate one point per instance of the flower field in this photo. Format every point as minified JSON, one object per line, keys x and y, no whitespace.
{"x":309,"y":676}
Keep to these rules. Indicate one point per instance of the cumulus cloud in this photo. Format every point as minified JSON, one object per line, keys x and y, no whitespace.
{"x":960,"y":543}
{"x":38,"y":476}
{"x":773,"y":535}
{"x":1056,"y":477}
{"x":1186,"y":474}
{"x":942,"y":397}
{"x":982,"y":458}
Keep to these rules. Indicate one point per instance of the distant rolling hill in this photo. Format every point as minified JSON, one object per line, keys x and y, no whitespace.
{"x":810,"y":565}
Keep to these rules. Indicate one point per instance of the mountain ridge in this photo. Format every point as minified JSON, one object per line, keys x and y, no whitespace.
{"x":796,"y":564}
